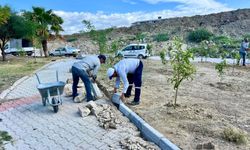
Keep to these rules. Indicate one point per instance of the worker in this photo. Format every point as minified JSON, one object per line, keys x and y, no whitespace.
{"x":243,"y":50}
{"x":84,"y":69}
{"x":130,"y":72}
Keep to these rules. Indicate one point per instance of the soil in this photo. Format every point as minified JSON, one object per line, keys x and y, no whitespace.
{"x":206,"y":105}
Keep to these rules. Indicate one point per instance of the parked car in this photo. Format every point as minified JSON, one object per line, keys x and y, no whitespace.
{"x":65,"y":51}
{"x":134,"y":50}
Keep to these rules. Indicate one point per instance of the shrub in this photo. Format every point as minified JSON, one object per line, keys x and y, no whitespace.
{"x":21,"y":52}
{"x":161,"y":37}
{"x":234,"y":135}
{"x":72,"y":39}
{"x":199,"y":35}
{"x":163,"y":57}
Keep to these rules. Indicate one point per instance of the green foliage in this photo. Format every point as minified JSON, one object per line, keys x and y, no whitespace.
{"x":16,"y":27}
{"x":182,"y":67}
{"x":4,"y":136}
{"x":199,"y":35}
{"x":89,"y":26}
{"x":220,"y":68}
{"x":45,"y":23}
{"x":140,"y":37}
{"x":163,"y":57}
{"x":4,"y":14}
{"x":149,"y":48}
{"x":72,"y":39}
{"x":247,"y":36}
{"x":115,"y":45}
{"x":234,"y":135}
{"x":21,"y":52}
{"x":226,"y":42}
{"x":99,"y":36}
{"x":161,"y":37}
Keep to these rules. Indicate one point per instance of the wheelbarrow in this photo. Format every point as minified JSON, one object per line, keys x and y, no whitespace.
{"x":51,"y":92}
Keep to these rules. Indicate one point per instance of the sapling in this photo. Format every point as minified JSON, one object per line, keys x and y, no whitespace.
{"x":163,"y":57}
{"x":236,"y":58}
{"x":220,"y":67}
{"x":181,"y":65}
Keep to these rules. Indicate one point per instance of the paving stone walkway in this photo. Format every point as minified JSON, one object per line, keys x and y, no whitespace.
{"x":34,"y":126}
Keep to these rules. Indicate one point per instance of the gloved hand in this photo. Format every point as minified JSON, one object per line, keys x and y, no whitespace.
{"x":94,"y":77}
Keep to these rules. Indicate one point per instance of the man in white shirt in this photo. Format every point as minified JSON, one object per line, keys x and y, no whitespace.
{"x":130,"y":72}
{"x":82,"y":69}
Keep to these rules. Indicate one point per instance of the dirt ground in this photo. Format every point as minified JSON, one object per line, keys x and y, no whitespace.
{"x":208,"y":105}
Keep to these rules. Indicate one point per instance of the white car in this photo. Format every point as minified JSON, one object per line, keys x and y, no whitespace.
{"x":65,"y":51}
{"x":134,"y":50}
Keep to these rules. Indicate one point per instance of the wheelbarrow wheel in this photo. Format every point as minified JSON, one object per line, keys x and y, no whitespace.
{"x":54,"y":102}
{"x":44,"y":101}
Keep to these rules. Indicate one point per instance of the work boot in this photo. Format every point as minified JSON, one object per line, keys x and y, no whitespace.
{"x":134,"y":103}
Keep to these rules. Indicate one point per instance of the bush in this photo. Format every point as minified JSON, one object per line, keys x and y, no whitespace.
{"x":71,"y":39}
{"x":161,"y":37}
{"x":199,"y":35}
{"x":226,"y":42}
{"x":21,"y":52}
{"x":234,"y":135}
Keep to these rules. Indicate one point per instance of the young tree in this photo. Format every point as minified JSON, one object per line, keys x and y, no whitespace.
{"x":47,"y":22}
{"x":220,"y":67}
{"x":182,"y":67}
{"x":15,"y":27}
{"x":99,"y":36}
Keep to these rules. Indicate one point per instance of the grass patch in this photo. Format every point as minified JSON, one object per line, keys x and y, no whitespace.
{"x":4,"y":137}
{"x":235,"y":135}
{"x":16,"y":67}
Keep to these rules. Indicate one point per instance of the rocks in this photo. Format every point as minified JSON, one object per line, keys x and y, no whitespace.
{"x":79,"y":98}
{"x":207,"y":146}
{"x":68,"y":89}
{"x":107,"y":117}
{"x":84,"y":111}
{"x":137,"y":143}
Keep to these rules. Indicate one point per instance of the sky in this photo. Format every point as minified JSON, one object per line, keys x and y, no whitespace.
{"x":122,"y":13}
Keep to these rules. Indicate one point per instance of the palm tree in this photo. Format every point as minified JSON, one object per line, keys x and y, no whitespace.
{"x":47,"y":24}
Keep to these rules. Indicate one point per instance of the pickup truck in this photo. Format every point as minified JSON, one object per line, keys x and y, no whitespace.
{"x":65,"y":51}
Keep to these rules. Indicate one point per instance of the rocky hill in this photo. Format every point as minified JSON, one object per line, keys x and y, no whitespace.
{"x":232,"y":23}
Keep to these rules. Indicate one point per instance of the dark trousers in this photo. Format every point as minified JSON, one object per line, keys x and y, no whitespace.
{"x":80,"y":73}
{"x":243,"y":56}
{"x":136,"y":79}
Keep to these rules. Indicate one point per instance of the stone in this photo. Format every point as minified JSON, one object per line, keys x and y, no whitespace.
{"x":112,"y":125}
{"x":68,"y":89}
{"x":79,"y":98}
{"x":91,"y":104}
{"x":84,"y":111}
{"x":96,"y":110}
{"x":207,"y":146}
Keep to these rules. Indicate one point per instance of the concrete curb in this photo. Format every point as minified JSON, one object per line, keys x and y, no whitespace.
{"x":147,"y":131}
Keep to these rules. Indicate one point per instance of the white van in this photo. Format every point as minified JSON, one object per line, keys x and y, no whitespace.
{"x":134,"y":50}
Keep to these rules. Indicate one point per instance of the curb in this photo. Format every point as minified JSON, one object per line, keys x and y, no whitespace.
{"x":147,"y":131}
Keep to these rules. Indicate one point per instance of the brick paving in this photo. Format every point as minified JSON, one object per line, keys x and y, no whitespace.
{"x":34,"y":126}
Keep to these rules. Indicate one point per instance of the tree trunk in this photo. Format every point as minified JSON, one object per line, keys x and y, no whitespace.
{"x":3,"y":54}
{"x":2,"y":44}
{"x":175,"y":97}
{"x":45,"y":48}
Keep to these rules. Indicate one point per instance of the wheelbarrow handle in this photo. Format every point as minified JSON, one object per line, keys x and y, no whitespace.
{"x":38,"y":78}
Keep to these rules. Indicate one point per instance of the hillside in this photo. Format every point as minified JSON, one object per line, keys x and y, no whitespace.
{"x":232,"y":23}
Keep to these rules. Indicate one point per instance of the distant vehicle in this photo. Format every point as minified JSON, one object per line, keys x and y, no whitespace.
{"x":134,"y":50}
{"x":19,"y":46}
{"x":65,"y":51}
